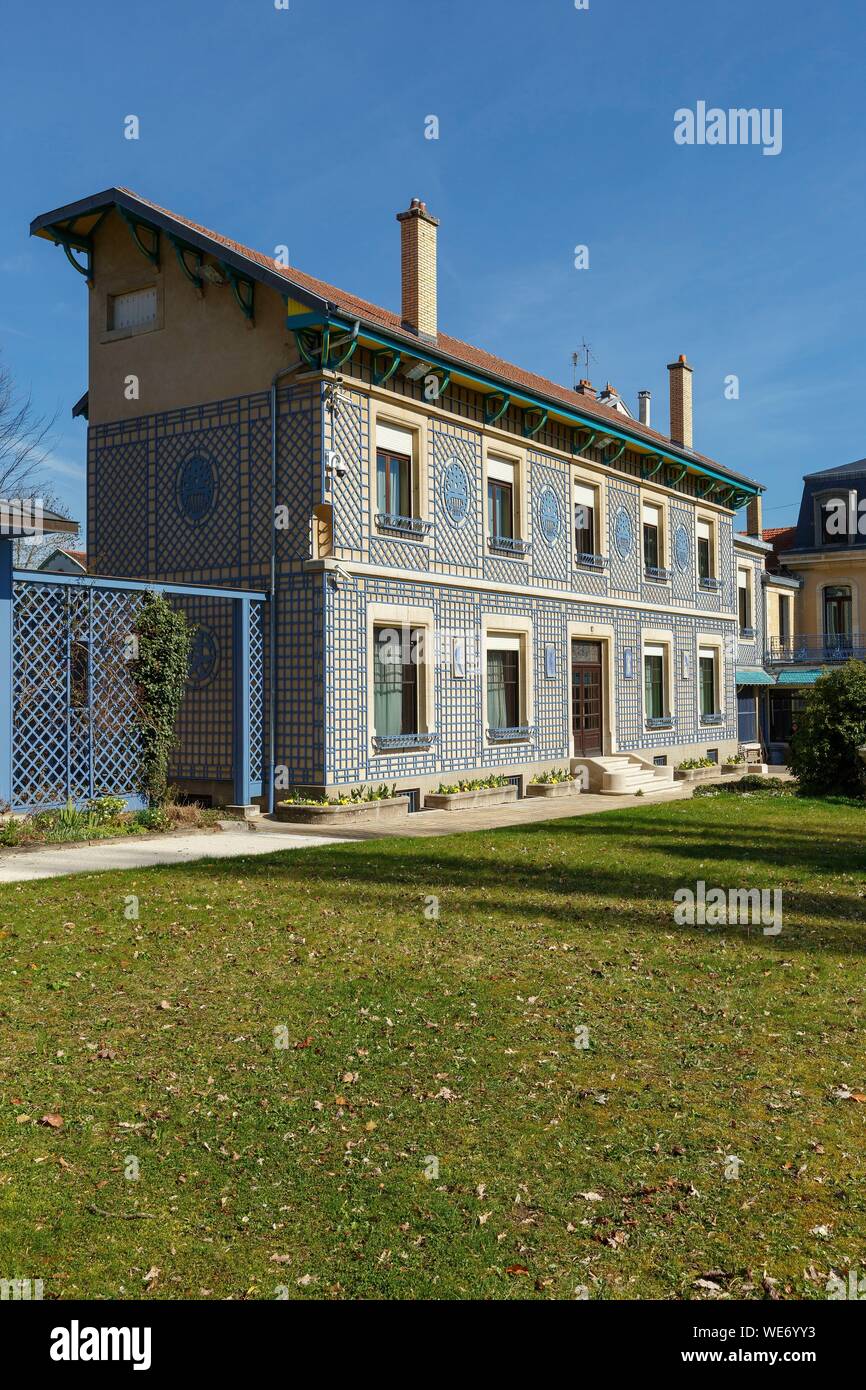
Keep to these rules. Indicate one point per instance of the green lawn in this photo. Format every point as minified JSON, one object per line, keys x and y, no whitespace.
{"x":409,"y":1038}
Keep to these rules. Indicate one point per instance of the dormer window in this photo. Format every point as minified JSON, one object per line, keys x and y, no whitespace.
{"x":834,"y":521}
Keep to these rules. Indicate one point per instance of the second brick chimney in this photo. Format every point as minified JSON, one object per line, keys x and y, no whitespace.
{"x":418,"y":268}
{"x":681,"y":402}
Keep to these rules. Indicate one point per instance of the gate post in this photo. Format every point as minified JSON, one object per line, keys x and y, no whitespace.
{"x":6,"y":631}
{"x":242,"y":806}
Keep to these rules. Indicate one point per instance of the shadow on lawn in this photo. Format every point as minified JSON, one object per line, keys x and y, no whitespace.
{"x":610,"y":861}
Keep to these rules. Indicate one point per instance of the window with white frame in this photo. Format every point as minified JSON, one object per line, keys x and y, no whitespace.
{"x":744,"y":600}
{"x":784,"y":617}
{"x":655,"y":658}
{"x":502,"y":499}
{"x":395,"y":475}
{"x":505,"y":670}
{"x":135,"y":311}
{"x":653,"y":547}
{"x":706,"y":548}
{"x":708,"y":681}
{"x":586,"y":522}
{"x":396,"y":707}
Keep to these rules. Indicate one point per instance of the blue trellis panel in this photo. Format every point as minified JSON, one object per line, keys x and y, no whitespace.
{"x":73,"y":715}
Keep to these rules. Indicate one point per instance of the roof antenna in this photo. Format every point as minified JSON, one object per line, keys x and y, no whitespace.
{"x":584,"y":352}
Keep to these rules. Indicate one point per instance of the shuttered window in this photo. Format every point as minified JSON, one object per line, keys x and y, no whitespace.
{"x":135,"y":310}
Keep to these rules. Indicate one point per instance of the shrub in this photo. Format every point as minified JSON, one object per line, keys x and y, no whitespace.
{"x":152,"y":818}
{"x":106,"y":808}
{"x":829,"y":731}
{"x":557,"y":774}
{"x":691,"y":763}
{"x":160,"y":671}
{"x":774,"y":786}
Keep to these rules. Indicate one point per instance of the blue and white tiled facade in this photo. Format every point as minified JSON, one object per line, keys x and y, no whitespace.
{"x":322,"y":700}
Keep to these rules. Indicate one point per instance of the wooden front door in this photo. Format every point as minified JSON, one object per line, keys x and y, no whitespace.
{"x":587,"y":718}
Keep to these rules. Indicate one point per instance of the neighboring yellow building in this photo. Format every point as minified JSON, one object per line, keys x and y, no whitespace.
{"x":815,"y":594}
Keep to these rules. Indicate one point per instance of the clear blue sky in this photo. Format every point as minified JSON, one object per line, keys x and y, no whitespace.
{"x":306,"y":127}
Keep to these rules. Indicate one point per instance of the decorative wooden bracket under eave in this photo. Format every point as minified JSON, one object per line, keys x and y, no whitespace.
{"x":136,"y":227}
{"x":385,"y":364}
{"x":243,"y":289}
{"x":181,"y":251}
{"x":494,"y":412}
{"x":590,"y":436}
{"x":71,"y":244}
{"x":672,"y":481}
{"x":614,"y":458}
{"x":323,"y":352}
{"x":534,"y":419}
{"x":657,"y":462}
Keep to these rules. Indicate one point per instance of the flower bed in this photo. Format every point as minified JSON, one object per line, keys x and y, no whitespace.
{"x":102,"y":818}
{"x":553,"y":789}
{"x":361,"y":806}
{"x":461,"y":796}
{"x":343,"y":813}
{"x":558,"y":782}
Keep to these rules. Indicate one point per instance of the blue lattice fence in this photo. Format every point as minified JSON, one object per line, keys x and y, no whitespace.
{"x":73,"y":700}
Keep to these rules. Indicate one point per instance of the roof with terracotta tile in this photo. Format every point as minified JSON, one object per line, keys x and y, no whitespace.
{"x":780,"y":537}
{"x":350,"y":305}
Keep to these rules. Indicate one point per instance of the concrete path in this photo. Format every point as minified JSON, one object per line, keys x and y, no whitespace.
{"x":18,"y":866}
{"x":526,"y":812}
{"x":266,"y":836}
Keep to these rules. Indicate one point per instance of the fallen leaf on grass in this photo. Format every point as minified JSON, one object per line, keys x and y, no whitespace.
{"x":52,"y":1121}
{"x":517,"y":1269}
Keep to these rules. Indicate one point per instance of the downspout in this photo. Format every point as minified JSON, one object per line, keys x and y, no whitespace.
{"x":272,"y":595}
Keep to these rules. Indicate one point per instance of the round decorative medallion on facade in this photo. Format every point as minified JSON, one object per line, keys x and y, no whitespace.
{"x":196,"y":486}
{"x":681,"y":547}
{"x":203,"y":657}
{"x":455,"y":492}
{"x":549,"y":515}
{"x":623,"y":534}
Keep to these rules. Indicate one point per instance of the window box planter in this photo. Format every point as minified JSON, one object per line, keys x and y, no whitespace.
{"x":712,"y":719}
{"x":521,"y":733}
{"x":353,"y":813}
{"x":664,"y":721}
{"x":467,"y":801}
{"x":747,"y":634}
{"x":712,"y":586}
{"x":403,"y":743}
{"x":585,"y":560}
{"x":412,"y":526}
{"x":508,"y":545}
{"x":553,"y":789}
{"x":656,"y":575}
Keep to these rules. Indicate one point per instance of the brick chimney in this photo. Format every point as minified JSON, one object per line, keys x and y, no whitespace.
{"x":755,"y":517}
{"x":643,"y":407}
{"x":418,"y":265}
{"x":681,"y":402}
{"x":585,"y":388}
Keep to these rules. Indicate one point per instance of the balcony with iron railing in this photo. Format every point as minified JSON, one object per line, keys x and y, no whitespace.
{"x":806,"y":648}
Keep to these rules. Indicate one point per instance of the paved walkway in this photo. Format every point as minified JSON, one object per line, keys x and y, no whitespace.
{"x":266,"y":836}
{"x":18,"y":866}
{"x":525,"y":812}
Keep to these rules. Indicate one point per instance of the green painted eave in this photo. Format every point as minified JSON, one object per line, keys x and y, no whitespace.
{"x":498,"y":385}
